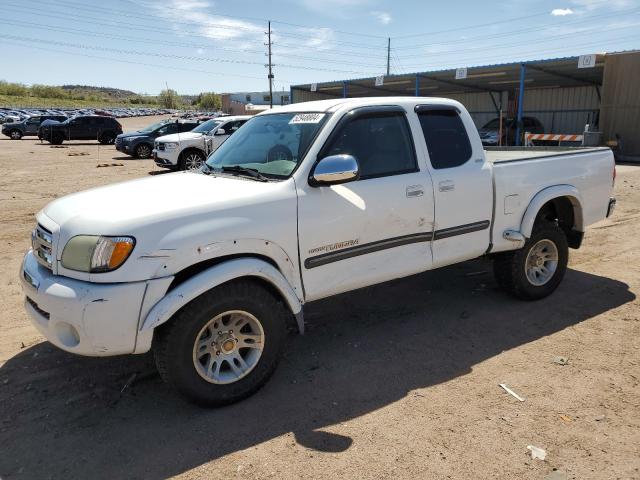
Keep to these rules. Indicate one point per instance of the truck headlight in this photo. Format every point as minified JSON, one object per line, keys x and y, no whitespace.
{"x":171,"y":145}
{"x":95,"y":254}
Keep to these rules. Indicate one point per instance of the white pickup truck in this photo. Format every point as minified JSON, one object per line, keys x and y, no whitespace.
{"x":371,"y":190}
{"x":188,"y":150}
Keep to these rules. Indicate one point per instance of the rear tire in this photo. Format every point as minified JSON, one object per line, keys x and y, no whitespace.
{"x":534,"y":271}
{"x":107,"y":138}
{"x":57,"y":139}
{"x":185,"y":348}
{"x":15,"y":134}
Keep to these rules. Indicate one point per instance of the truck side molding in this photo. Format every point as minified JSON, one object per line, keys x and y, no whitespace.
{"x":217,"y":275}
{"x":544,"y":196}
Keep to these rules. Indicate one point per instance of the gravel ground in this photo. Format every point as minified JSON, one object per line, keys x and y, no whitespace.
{"x":395,"y":381}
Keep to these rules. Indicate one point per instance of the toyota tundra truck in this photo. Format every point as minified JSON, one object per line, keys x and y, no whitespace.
{"x":373,"y":189}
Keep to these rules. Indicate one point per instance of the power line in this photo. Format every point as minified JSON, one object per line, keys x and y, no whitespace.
{"x":516,"y":32}
{"x":166,"y":55}
{"x":461,"y":61}
{"x":550,"y":38}
{"x":489,"y":24}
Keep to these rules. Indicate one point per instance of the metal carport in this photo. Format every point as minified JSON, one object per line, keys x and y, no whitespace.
{"x":516,"y":88}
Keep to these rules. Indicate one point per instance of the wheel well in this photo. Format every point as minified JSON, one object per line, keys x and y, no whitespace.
{"x":191,"y":271}
{"x":188,"y":272}
{"x":561,"y":209}
{"x":190,"y":149}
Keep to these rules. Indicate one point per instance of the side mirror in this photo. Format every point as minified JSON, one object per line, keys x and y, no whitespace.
{"x":220,"y":131}
{"x":334,"y":169}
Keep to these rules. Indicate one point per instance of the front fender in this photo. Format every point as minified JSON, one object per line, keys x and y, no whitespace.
{"x":217,"y":275}
{"x":544,"y":196}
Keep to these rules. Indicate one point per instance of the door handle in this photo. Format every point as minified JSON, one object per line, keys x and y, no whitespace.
{"x":415,"y":191}
{"x":446,"y":186}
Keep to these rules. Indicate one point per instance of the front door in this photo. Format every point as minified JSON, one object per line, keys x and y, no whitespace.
{"x":373,"y":229}
{"x":462,"y":183}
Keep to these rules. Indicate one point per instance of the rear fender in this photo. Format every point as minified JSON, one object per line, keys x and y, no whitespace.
{"x":546,"y":195}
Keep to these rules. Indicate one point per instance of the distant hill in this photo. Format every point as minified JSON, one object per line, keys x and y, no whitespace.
{"x":115,"y":93}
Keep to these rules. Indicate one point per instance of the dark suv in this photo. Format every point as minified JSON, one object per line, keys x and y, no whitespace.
{"x":82,"y":127}
{"x":28,"y":126}
{"x":139,"y":144}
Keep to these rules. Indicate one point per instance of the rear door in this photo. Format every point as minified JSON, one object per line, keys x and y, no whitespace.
{"x":462,"y":184}
{"x":376,"y":228}
{"x":31,"y":125}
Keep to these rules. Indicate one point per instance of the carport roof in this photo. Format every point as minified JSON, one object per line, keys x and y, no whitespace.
{"x":556,"y":72}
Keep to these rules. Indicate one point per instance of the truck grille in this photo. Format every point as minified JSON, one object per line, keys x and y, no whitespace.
{"x":42,"y":242}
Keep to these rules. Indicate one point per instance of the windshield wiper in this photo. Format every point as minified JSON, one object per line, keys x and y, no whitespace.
{"x":250,"y":172}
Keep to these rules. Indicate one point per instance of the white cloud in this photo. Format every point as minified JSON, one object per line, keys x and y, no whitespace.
{"x":197,"y":12}
{"x":561,"y":12}
{"x":383,"y":17}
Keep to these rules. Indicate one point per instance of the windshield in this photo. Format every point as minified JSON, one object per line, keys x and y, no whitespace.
{"x":207,"y":126}
{"x":272,"y":144}
{"x":151,"y":128}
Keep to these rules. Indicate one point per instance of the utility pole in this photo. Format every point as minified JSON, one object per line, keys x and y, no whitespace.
{"x":388,"y":53}
{"x":270,"y":76}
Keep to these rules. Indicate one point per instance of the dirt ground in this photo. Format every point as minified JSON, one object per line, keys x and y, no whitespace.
{"x":395,"y":381}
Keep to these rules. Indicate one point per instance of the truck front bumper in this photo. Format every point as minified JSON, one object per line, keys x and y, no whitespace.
{"x":84,"y":318}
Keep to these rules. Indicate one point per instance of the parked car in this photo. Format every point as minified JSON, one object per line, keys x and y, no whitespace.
{"x":28,"y":126}
{"x":211,"y":268}
{"x":83,"y":127}
{"x":490,"y":133}
{"x":140,"y":143}
{"x":188,"y":151}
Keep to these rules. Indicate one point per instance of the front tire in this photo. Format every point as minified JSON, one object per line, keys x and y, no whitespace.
{"x":191,"y":160}
{"x":15,"y":134}
{"x":57,"y":139}
{"x":143,"y":151}
{"x":534,"y":271}
{"x":224,"y":345}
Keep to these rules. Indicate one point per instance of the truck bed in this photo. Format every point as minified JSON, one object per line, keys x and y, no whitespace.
{"x":519,"y":154}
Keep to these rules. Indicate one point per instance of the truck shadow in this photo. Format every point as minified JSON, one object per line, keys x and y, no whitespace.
{"x":65,"y":416}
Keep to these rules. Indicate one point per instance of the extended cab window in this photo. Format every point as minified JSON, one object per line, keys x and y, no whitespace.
{"x":447,"y":140}
{"x":380,"y":142}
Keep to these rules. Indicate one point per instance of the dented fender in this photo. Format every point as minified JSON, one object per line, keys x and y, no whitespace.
{"x":544,"y":196}
{"x":217,"y":275}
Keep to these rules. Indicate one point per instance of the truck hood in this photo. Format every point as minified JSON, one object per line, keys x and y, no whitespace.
{"x":133,"y":134}
{"x":177,"y":137}
{"x":129,"y":207}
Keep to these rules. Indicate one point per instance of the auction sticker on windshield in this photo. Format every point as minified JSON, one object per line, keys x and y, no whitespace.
{"x":307,"y":118}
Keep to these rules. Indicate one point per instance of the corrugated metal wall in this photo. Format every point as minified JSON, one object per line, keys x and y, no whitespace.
{"x":621,"y":102}
{"x":480,"y":106}
{"x":562,"y":110}
{"x":307,"y":96}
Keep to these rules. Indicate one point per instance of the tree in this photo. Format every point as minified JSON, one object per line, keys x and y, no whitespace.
{"x":209,"y":101}
{"x":169,"y":98}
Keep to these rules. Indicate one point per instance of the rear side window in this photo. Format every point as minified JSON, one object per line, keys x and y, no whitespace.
{"x":447,"y":140}
{"x":380,"y":142}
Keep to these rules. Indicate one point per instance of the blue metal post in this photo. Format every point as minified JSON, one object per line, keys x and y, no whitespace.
{"x":417,"y":85}
{"x":523,"y":72}
{"x":344,"y":89}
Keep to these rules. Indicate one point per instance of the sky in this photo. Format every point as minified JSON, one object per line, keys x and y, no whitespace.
{"x":212,"y":45}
